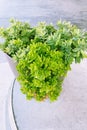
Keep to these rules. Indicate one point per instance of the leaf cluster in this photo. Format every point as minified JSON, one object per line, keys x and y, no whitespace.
{"x":40,"y":72}
{"x":44,"y":54}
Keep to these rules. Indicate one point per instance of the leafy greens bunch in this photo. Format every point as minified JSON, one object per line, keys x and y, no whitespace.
{"x":44,"y":54}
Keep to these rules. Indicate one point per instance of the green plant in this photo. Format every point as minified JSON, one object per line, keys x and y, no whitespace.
{"x":41,"y":72}
{"x":17,"y":37}
{"x":44,"y":55}
{"x":70,"y":40}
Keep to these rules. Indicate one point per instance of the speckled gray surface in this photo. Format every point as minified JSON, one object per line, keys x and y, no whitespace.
{"x":6,"y":78}
{"x":47,"y":10}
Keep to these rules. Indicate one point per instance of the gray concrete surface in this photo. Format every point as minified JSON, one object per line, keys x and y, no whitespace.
{"x":6,"y":77}
{"x":47,"y":10}
{"x":69,"y":112}
{"x":9,"y":114}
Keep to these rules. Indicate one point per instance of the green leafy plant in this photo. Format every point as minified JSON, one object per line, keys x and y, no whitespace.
{"x":41,"y":72}
{"x":44,"y":54}
{"x":17,"y":37}
{"x":70,"y":40}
